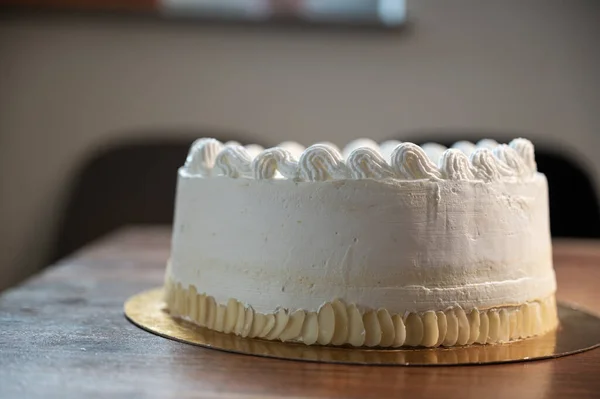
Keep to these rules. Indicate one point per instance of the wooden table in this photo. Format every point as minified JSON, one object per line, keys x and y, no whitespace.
{"x":63,"y":334}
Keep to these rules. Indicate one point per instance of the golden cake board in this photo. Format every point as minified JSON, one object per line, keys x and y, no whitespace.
{"x":578,"y":331}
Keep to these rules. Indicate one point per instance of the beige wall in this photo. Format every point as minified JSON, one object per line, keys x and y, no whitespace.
{"x":70,"y":84}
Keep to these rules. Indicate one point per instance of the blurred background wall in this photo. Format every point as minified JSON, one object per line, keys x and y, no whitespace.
{"x":71,"y":85}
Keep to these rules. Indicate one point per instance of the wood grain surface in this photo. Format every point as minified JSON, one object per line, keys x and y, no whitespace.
{"x":63,"y":335}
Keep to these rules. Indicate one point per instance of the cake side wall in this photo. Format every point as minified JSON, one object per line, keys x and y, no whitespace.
{"x":403,"y":245}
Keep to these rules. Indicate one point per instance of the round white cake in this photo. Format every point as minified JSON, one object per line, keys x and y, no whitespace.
{"x":377,"y":245}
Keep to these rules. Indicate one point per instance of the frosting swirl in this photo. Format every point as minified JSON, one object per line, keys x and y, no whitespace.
{"x":455,"y":165}
{"x":485,"y":166}
{"x":509,"y":161}
{"x":321,"y":162}
{"x":275,"y":160}
{"x":202,"y":155}
{"x":364,"y":163}
{"x":233,"y":161}
{"x":525,"y":149}
{"x":410,"y":161}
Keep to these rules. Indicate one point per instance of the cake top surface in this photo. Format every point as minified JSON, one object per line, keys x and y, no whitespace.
{"x":486,"y":161}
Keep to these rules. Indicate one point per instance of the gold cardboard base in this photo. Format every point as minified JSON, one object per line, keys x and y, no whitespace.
{"x":578,"y":331}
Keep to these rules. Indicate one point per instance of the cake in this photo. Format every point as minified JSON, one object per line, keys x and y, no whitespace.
{"x":390,"y":245}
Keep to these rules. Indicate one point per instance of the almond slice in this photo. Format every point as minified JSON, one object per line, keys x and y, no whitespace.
{"x":269,"y":324}
{"x":512,"y":325}
{"x":258,"y":324}
{"x":431,"y":330}
{"x":310,"y":329}
{"x":494,"y":321}
{"x":504,"y":331}
{"x":183,"y":302}
{"x":178,"y":300}
{"x":231,"y":315}
{"x":442,"y":327}
{"x":356,"y":328}
{"x":387,"y":328}
{"x":248,"y":321}
{"x":484,"y":327}
{"x":400,"y":331}
{"x":520,"y":331}
{"x":340,"y":333}
{"x":239,"y":322}
{"x":326,"y":323}
{"x":474,"y":323}
{"x":536,"y":318}
{"x":220,"y":318}
{"x":452,"y":331}
{"x":527,"y":320}
{"x":202,"y":307}
{"x":293,"y":329}
{"x":281,"y":319}
{"x":414,"y":330}
{"x":211,"y":312}
{"x":464,"y":330}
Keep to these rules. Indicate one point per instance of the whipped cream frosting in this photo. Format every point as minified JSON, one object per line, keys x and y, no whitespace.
{"x":394,"y":226}
{"x":363,"y":159}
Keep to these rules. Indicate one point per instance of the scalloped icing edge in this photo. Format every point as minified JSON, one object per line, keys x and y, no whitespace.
{"x":364,"y":159}
{"x":371,"y":328}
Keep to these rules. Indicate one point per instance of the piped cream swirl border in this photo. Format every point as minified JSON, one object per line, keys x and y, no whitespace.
{"x":337,"y":323}
{"x":364,"y":159}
